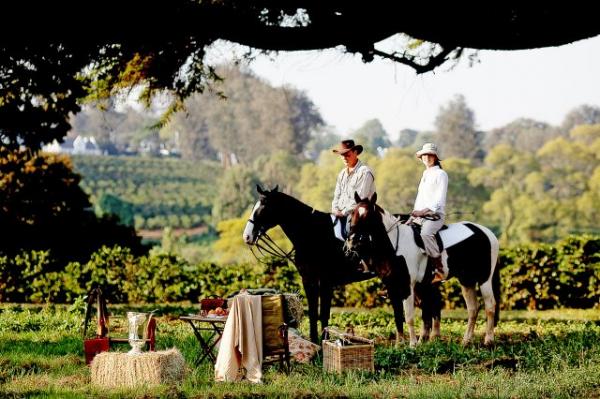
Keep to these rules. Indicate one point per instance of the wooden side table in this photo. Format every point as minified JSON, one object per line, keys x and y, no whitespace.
{"x":214,"y":325}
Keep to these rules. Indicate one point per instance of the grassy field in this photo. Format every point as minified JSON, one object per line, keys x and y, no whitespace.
{"x":537,"y":354}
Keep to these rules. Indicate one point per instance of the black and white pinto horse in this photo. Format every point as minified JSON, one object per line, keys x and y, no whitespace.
{"x":319,"y":255}
{"x":470,"y":255}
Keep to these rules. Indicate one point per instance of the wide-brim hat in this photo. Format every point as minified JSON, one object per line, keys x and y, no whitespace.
{"x":348,"y":145}
{"x":428,"y":148}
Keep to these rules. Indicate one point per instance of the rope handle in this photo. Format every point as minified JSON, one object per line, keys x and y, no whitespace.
{"x":348,"y":335}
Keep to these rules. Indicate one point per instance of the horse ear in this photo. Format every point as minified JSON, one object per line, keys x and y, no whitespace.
{"x":357,"y":197}
{"x":276,"y":188}
{"x":373,"y":199}
{"x":260,"y":190}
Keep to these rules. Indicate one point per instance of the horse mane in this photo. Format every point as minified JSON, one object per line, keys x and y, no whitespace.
{"x":296,"y":202}
{"x":388,"y":219}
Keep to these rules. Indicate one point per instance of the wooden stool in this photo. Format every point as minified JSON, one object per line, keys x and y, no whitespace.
{"x":117,"y":369}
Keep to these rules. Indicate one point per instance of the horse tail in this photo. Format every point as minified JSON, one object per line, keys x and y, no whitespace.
{"x":496,"y":290}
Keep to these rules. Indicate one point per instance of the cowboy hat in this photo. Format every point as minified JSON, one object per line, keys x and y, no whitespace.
{"x":428,"y":148}
{"x":348,"y":145}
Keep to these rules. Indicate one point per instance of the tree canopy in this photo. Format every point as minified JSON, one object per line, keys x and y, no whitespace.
{"x":96,"y":49}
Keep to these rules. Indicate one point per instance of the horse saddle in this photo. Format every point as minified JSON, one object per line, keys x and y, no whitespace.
{"x":446,"y":237}
{"x":419,"y":240}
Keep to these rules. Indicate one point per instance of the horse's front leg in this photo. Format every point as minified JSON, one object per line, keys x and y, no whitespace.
{"x":436,"y":310}
{"x":425,"y":292}
{"x":396,"y":298}
{"x":326,"y":293}
{"x":312,"y":297}
{"x":409,"y":311}
{"x":436,"y":332}
{"x":472,"y":309}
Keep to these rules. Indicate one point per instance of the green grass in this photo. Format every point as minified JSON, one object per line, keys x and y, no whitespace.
{"x":537,"y":354}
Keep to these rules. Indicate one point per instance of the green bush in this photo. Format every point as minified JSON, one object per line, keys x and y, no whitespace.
{"x":534,"y":276}
{"x":23,"y":278}
{"x":543,"y":276}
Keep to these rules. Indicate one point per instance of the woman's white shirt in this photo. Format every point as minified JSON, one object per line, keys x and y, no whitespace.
{"x":432,"y":190}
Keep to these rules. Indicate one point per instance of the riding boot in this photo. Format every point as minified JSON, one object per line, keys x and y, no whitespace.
{"x":438,"y":273}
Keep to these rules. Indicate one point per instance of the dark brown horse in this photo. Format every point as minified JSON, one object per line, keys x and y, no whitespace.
{"x":319,"y":255}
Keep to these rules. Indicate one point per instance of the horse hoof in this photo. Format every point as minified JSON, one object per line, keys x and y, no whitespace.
{"x":488,"y":342}
{"x":466,"y":342}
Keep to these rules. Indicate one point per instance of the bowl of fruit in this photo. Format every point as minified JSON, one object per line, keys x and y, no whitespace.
{"x":217,"y":312}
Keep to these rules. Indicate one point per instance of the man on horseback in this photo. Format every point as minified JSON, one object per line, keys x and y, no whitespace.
{"x":430,"y":205}
{"x":356,"y":177}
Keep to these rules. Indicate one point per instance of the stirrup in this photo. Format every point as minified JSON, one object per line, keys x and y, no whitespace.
{"x":438,"y":277}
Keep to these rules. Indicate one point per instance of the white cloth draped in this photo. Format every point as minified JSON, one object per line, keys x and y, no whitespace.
{"x":241,"y":347}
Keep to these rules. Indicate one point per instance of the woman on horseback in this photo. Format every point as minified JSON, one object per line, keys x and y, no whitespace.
{"x":430,"y":205}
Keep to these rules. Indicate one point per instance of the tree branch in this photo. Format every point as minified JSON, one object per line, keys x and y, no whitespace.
{"x":432,"y":63}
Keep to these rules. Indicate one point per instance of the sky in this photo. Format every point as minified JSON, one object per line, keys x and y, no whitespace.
{"x":542,"y":84}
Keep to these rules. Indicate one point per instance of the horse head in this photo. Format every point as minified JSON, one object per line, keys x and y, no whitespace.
{"x":263,"y":216}
{"x":364,"y":219}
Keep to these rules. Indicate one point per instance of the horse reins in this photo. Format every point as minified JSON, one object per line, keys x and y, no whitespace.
{"x":270,"y":247}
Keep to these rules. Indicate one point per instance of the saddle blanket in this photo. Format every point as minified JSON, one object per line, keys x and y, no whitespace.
{"x":455,"y":233}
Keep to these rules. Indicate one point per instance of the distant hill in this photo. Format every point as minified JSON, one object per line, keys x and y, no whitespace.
{"x":151,"y":193}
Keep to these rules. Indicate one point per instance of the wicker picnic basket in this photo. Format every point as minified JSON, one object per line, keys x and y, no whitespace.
{"x":347,"y":352}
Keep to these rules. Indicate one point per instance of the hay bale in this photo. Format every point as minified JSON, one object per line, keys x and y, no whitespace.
{"x":294,"y":306}
{"x":116,"y":369}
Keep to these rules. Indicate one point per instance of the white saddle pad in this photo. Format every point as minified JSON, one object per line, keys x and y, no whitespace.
{"x":455,"y":233}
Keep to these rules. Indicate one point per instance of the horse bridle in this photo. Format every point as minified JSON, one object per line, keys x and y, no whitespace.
{"x":269,"y":247}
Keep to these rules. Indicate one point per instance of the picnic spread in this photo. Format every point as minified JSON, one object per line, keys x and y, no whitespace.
{"x":238,"y":335}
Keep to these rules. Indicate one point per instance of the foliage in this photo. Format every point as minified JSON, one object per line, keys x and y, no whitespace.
{"x":406,"y":138}
{"x":280,"y":168}
{"x":161,"y":192}
{"x":44,"y":78}
{"x":534,"y":276}
{"x":236,"y":193}
{"x":397,"y":179}
{"x":503,"y":174}
{"x":523,"y":134}
{"x":239,"y":122}
{"x":19,"y":274}
{"x":372,"y":136}
{"x":507,"y":192}
{"x":116,"y":131}
{"x":544,"y":276}
{"x":583,"y":115}
{"x":321,"y":139}
{"x":545,"y":195}
{"x":455,"y":131}
{"x":317,"y":181}
{"x":464,"y":199}
{"x":43,"y":208}
{"x":111,"y":204}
